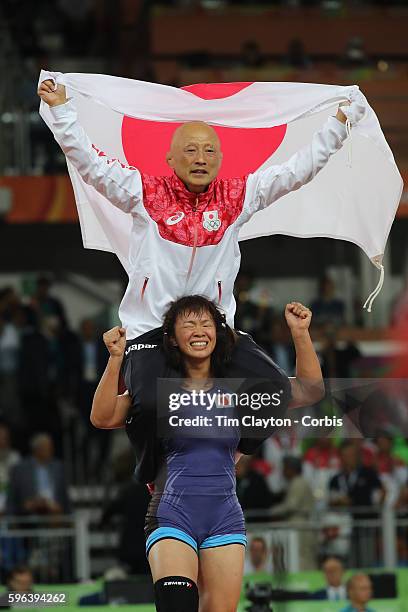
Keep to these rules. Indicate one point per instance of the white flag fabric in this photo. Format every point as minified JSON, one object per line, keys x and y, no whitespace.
{"x":354,"y":197}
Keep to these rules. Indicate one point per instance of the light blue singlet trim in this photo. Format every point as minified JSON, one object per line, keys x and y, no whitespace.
{"x":161,"y":533}
{"x":223,"y":540}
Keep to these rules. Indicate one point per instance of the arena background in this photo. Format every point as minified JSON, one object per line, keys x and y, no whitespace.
{"x":56,"y":298}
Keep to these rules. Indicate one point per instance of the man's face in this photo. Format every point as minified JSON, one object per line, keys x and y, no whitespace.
{"x":44,"y":451}
{"x":384,"y":444}
{"x":195,"y":155}
{"x":333,"y":570}
{"x":349,"y":458}
{"x":361,"y":590}
{"x":258,"y":552}
{"x":88,"y":329}
{"x":21,"y":582}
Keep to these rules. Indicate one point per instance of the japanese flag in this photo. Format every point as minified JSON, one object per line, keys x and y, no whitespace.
{"x":353,"y":198}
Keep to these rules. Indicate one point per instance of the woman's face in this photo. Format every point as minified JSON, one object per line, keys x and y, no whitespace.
{"x":195,"y":334}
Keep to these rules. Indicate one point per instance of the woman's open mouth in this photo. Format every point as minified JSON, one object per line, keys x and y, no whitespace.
{"x":199,"y":343}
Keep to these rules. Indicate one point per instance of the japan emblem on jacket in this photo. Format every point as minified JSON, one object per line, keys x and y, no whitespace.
{"x":211,"y":222}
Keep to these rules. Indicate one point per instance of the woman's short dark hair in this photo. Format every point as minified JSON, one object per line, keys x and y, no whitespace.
{"x":198,"y":304}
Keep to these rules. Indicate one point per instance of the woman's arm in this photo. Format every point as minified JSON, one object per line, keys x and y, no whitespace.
{"x":109,"y":410}
{"x":308,"y":385}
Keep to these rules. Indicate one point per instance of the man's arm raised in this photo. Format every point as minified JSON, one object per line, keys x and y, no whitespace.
{"x":120,"y":184}
{"x":267,"y":186}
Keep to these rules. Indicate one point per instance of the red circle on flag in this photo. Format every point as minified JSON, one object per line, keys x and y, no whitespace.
{"x":146,"y":143}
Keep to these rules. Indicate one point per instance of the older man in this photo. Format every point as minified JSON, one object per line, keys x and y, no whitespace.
{"x":359,"y":591}
{"x":297,"y":507}
{"x":19,"y":581}
{"x":257,"y":560}
{"x":334,"y":590}
{"x":185,"y":231}
{"x":37,"y":484}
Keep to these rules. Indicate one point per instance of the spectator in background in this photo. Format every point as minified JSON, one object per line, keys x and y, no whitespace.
{"x":251,"y":55}
{"x":257,"y":558}
{"x":335,"y":535}
{"x":320,"y":463}
{"x":402,"y":502}
{"x":264,"y":317}
{"x":366,"y":451}
{"x":355,"y":485}
{"x":93,"y":358}
{"x":255,"y":318}
{"x":79,"y":25}
{"x":280,"y":346}
{"x":298,"y":502}
{"x":8,"y":459}
{"x":242,"y":287}
{"x":274,"y":450}
{"x":296,"y":56}
{"x":355,"y":55}
{"x":38,"y":376}
{"x":99,"y":598}
{"x":337,"y":362}
{"x":252,"y":490}
{"x":327,"y":309}
{"x":37,"y":484}
{"x":9,"y":304}
{"x":392,"y":471}
{"x":297,"y":506}
{"x":9,"y":352}
{"x":19,"y":580}
{"x":334,"y":590}
{"x":45,"y":304}
{"x":359,"y":591}
{"x":130,"y":505}
{"x":33,"y":369}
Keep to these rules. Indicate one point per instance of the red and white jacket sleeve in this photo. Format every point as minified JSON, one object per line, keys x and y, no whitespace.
{"x":266,"y":186}
{"x":120,"y":184}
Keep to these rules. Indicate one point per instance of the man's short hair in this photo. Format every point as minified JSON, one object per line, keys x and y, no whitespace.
{"x":259,"y":539}
{"x":331,"y":558}
{"x":38,"y":438}
{"x":18,"y":569}
{"x":353,"y":578}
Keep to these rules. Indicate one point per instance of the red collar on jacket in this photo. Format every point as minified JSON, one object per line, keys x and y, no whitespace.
{"x":196,"y":200}
{"x":165,"y":197}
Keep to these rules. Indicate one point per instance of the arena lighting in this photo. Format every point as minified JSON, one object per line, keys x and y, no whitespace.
{"x":260,"y":596}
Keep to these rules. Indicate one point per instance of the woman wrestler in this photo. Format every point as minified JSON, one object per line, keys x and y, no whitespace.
{"x":195,"y":527}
